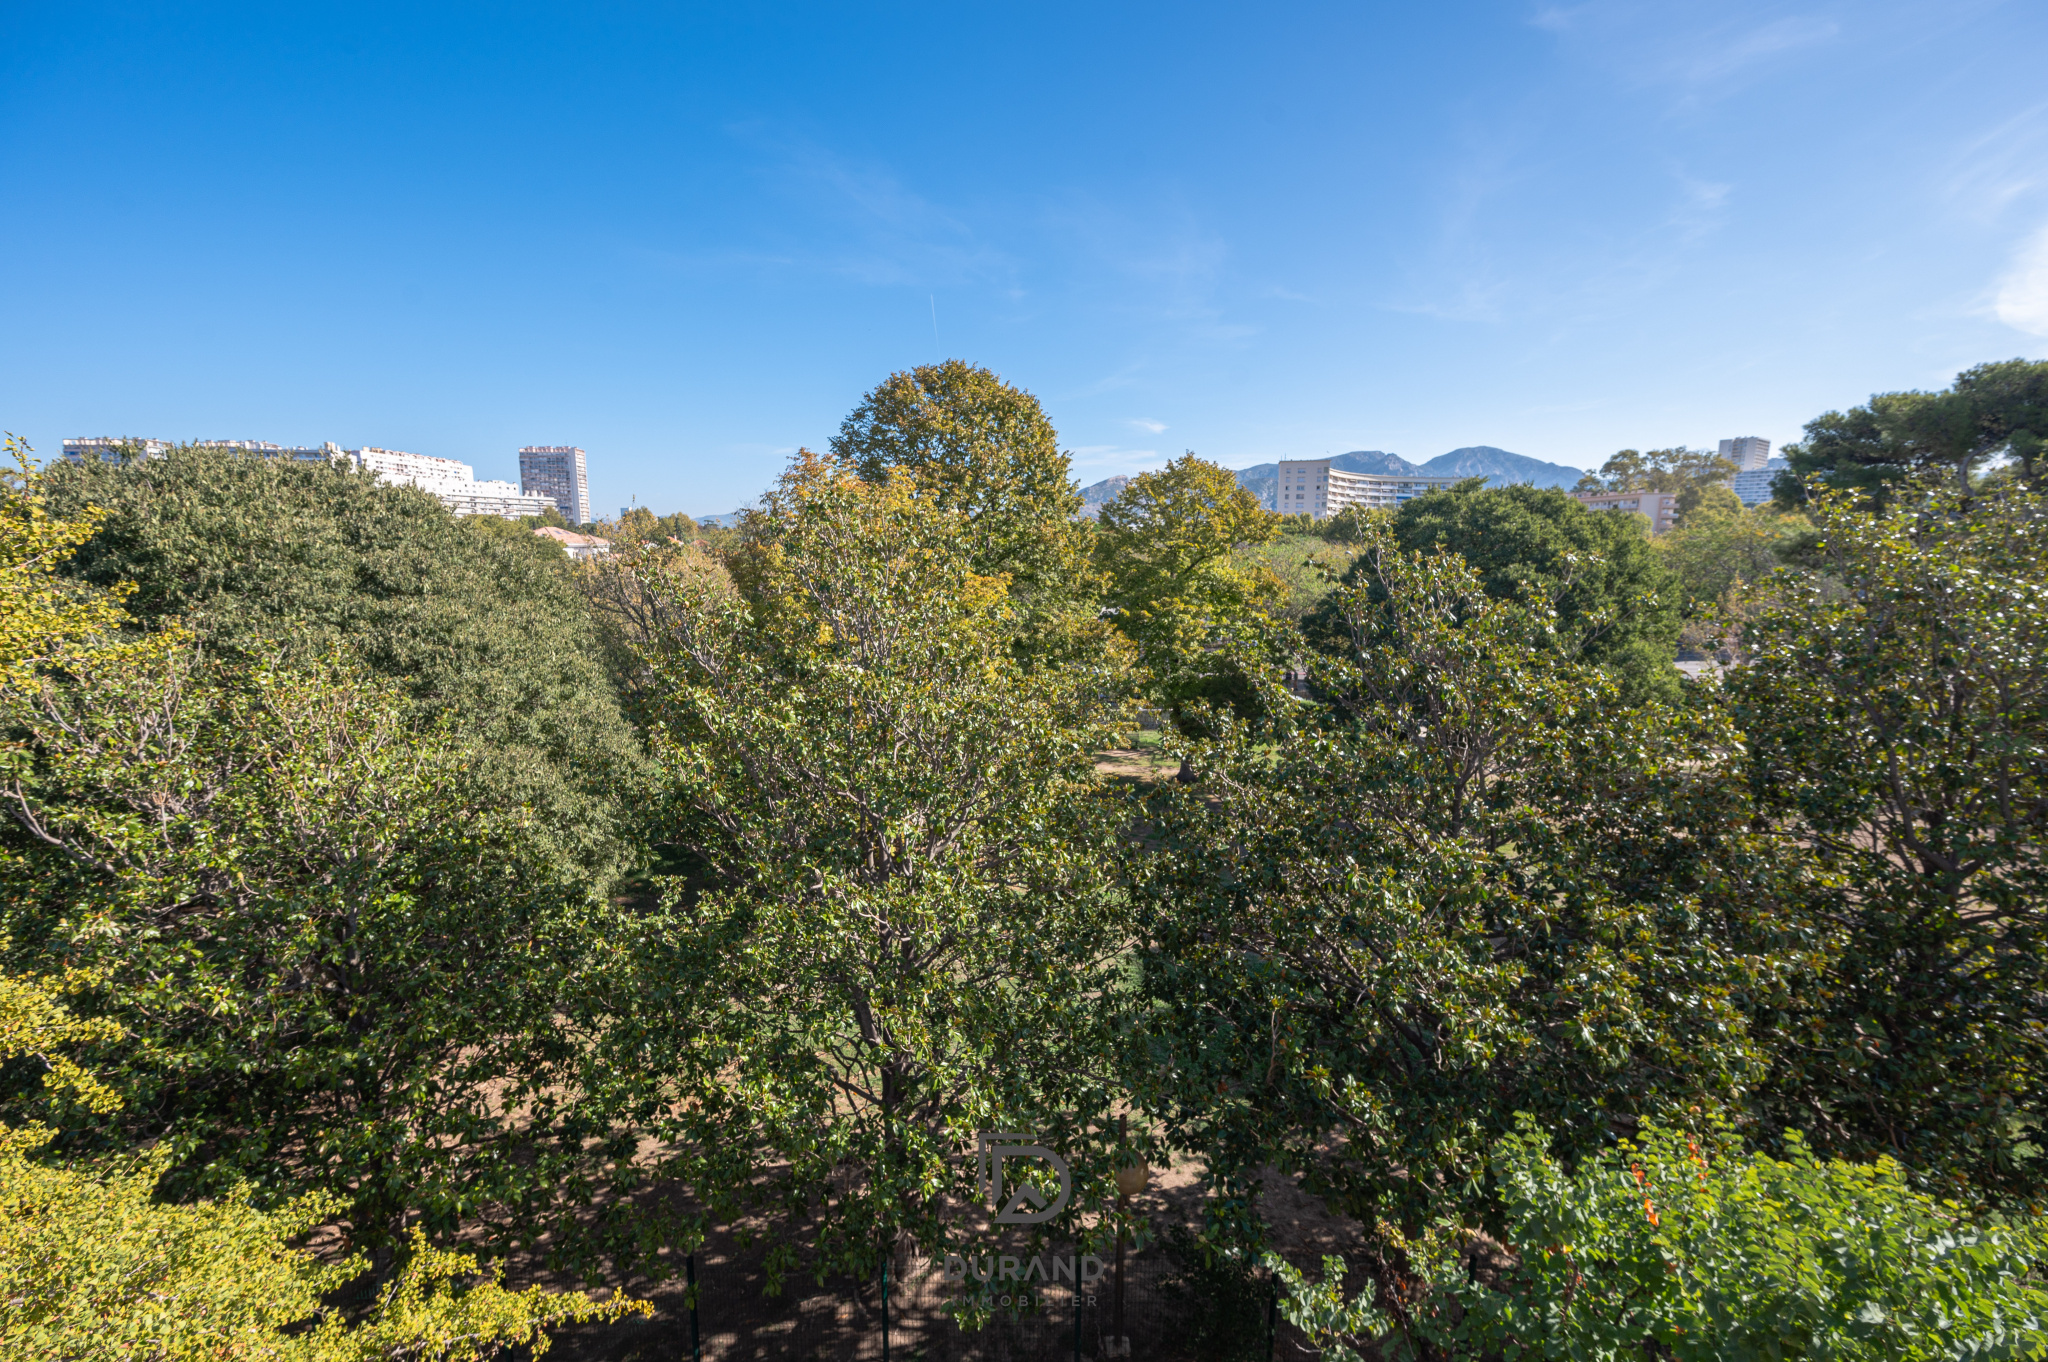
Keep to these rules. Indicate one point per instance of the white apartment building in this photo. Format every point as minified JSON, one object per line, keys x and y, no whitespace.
{"x":1753,"y":485}
{"x":428,"y":472}
{"x":1749,"y":453}
{"x":561,"y":473}
{"x":327,"y":453}
{"x":452,"y":481}
{"x":111,"y":447}
{"x":1314,"y":487}
{"x":1660,"y":507}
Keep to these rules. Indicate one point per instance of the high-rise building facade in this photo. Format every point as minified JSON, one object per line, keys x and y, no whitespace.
{"x":1748,"y":453}
{"x":1753,"y":485}
{"x":558,"y":471}
{"x":454,"y":482}
{"x":1314,"y":487}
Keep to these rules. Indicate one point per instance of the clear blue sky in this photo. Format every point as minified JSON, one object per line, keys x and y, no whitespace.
{"x":688,"y":238}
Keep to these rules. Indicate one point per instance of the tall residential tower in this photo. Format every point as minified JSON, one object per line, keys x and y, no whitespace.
{"x":558,"y":471}
{"x":1748,"y":454}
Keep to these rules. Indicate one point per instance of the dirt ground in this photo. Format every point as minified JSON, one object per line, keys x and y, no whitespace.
{"x":1141,"y":764}
{"x":842,"y":1319}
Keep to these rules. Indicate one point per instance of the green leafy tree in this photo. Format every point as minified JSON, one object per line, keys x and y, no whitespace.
{"x":640,"y":526}
{"x":1992,"y":410}
{"x":1617,"y":605}
{"x":905,"y":932}
{"x":1468,"y":885}
{"x":1663,"y":1248}
{"x":985,"y":451}
{"x":1896,"y":714}
{"x":1717,"y":552}
{"x":287,"y":891}
{"x":1685,"y":472}
{"x":42,"y":612}
{"x":1197,"y":608}
{"x":479,"y":621}
{"x":1305,"y":565}
{"x":1711,"y":499}
{"x":93,"y":1266}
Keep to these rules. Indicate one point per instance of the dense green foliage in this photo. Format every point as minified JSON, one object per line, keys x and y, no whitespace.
{"x":91,"y":1265}
{"x":1992,"y":410}
{"x":1896,"y":710}
{"x":478,"y":621}
{"x":985,"y":451}
{"x":1471,"y":885}
{"x":1618,"y":1015}
{"x":906,"y":925}
{"x":1660,"y":1248}
{"x":1616,"y":604}
{"x":1305,"y":565}
{"x":1182,"y":591}
{"x":1686,"y":472}
{"x":1720,"y":545}
{"x":280,"y":884}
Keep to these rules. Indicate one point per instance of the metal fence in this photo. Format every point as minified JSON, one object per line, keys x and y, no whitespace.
{"x":1046,"y":1308}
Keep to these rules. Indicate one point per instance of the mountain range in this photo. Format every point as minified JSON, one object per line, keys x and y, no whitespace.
{"x":1499,"y":467}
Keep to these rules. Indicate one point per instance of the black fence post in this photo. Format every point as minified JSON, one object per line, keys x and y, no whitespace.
{"x":690,"y":1282}
{"x":885,"y":1305}
{"x":1077,"y":1300}
{"x":1272,"y":1318}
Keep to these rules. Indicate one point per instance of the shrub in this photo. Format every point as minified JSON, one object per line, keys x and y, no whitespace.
{"x":1659,"y":1248}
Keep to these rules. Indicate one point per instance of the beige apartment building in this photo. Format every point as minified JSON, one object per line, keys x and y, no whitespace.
{"x":1313,"y":487}
{"x":1660,"y":507}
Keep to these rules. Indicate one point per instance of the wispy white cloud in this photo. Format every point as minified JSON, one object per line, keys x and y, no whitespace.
{"x":2003,"y":166}
{"x":1143,"y":257}
{"x":1558,"y":18}
{"x":1092,"y":463}
{"x":856,"y":220}
{"x":1700,"y":51}
{"x":2022,"y":301}
{"x":1165,"y":264}
{"x":1730,"y":54}
{"x":1148,"y":426}
{"x":1467,"y":297}
{"x":1700,"y":207}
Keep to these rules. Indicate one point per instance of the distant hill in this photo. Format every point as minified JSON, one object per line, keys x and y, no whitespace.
{"x":728,"y":520}
{"x":1500,"y":468}
{"x":1263,"y":480}
{"x":1095,"y":496}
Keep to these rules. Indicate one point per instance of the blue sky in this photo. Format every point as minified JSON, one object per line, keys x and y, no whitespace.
{"x":688,"y":237}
